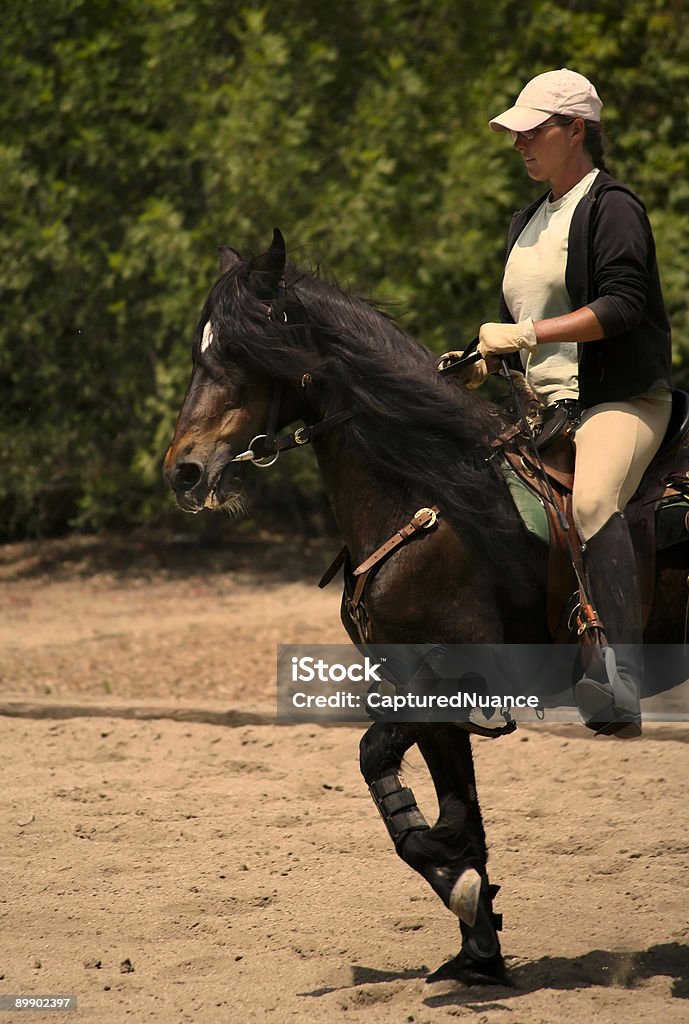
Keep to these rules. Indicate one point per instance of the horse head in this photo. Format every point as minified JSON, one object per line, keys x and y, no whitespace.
{"x":235,"y":396}
{"x":277,"y":343}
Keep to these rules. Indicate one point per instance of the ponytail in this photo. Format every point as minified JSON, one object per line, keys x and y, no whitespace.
{"x":594,"y":143}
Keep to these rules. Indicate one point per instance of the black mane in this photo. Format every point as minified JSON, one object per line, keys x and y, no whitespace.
{"x":412,"y":424}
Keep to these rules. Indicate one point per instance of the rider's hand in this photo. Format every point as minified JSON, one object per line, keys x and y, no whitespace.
{"x":501,"y":339}
{"x":447,"y":358}
{"x":472,"y":376}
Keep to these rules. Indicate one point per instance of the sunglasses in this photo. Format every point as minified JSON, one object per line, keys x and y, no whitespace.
{"x":532,"y":132}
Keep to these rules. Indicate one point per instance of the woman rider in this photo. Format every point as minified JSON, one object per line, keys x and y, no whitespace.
{"x":582,"y":305}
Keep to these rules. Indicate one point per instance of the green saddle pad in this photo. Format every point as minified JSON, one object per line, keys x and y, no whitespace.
{"x":670,"y":513}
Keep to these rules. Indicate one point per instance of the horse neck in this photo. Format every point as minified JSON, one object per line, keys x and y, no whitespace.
{"x":367,"y":510}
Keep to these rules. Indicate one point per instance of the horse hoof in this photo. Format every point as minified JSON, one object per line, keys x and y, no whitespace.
{"x":465,"y":896}
{"x":468,"y":971}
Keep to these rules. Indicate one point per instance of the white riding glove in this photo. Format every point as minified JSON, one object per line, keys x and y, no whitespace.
{"x":501,"y":339}
{"x":472,"y":376}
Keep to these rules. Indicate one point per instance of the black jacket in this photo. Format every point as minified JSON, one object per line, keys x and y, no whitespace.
{"x":611,"y":267}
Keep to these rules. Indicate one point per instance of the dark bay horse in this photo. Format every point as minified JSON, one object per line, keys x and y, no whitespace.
{"x":276,"y":344}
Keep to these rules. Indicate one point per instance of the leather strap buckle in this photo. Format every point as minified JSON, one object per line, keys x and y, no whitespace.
{"x":426,"y":517}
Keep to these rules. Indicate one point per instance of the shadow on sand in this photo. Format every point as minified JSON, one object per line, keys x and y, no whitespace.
{"x":597,"y":968}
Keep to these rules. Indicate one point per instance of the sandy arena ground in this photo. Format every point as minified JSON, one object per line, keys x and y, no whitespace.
{"x":170,"y":854}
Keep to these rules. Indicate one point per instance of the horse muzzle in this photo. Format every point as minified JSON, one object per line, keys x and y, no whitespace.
{"x":197,"y":484}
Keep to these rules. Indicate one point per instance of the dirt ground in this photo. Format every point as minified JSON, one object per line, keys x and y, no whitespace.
{"x":171,"y":854}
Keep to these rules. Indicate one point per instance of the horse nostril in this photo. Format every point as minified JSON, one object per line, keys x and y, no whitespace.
{"x":187,"y":475}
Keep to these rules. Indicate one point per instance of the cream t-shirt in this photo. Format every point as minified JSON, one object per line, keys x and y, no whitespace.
{"x":534,"y":285}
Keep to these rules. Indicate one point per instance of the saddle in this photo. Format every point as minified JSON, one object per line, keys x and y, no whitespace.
{"x":658,"y":513}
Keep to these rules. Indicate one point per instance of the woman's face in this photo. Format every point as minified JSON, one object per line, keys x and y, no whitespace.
{"x":551,"y":151}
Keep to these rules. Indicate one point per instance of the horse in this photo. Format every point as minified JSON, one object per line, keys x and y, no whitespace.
{"x":276,"y":344}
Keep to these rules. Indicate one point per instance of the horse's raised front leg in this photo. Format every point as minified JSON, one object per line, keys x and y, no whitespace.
{"x":451,"y":855}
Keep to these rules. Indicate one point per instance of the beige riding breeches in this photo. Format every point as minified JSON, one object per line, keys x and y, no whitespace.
{"x":615,"y":443}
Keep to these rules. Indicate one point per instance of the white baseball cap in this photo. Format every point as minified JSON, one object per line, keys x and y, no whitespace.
{"x":554,"y":92}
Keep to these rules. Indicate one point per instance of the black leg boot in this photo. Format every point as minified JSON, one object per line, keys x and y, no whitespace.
{"x":608,"y":699}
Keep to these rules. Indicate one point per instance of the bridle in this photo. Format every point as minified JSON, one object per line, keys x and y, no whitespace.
{"x":272,"y":446}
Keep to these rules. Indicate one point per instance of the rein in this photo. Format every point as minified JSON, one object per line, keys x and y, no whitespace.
{"x":469,"y":356}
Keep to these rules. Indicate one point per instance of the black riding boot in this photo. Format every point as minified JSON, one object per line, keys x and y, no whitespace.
{"x":608,"y":698}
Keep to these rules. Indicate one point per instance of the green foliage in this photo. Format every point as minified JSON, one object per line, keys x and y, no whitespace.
{"x":138,"y":136}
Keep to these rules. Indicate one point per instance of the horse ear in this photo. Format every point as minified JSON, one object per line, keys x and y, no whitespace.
{"x":228,"y":258}
{"x":268,"y":269}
